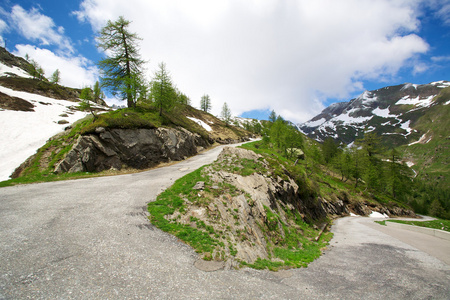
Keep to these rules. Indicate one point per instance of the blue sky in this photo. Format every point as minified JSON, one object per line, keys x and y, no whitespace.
{"x":295,"y":57}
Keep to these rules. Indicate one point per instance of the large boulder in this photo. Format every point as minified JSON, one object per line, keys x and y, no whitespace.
{"x":135,"y":148}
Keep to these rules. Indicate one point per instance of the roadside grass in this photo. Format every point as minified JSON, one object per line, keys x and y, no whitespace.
{"x":435,"y":224}
{"x":171,"y":200}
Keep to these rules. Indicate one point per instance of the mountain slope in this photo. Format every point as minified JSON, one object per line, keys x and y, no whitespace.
{"x":390,"y":111}
{"x":415,"y":118}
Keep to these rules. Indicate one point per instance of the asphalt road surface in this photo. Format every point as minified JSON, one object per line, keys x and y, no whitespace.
{"x":90,"y":239}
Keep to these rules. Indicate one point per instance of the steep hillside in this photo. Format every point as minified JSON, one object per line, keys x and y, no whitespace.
{"x":12,"y":65}
{"x":429,"y":155}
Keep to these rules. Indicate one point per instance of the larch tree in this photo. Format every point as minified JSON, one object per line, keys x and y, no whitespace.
{"x":163,"y":92}
{"x":226,"y":114}
{"x":97,"y":92}
{"x":121,"y":70}
{"x":56,"y":77}
{"x":205,"y":103}
{"x":86,"y":97}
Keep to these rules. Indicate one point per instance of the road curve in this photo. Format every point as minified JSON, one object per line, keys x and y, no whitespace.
{"x":90,"y":239}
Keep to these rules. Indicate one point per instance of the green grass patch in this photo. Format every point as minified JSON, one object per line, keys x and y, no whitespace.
{"x":169,"y":201}
{"x":435,"y":224}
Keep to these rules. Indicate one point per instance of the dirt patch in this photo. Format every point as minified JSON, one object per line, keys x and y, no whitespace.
{"x":14,"y":103}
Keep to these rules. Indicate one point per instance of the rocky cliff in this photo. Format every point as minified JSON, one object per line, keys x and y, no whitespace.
{"x":130,"y":148}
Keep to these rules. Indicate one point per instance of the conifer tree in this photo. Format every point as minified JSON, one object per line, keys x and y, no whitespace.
{"x":163,"y":91}
{"x":226,"y":114}
{"x":205,"y":103}
{"x":56,"y":77}
{"x":86,"y":97}
{"x":121,"y":70}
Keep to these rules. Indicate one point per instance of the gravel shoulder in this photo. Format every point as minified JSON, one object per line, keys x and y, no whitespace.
{"x":90,"y":238}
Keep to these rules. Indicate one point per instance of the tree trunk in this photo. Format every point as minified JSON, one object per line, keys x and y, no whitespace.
{"x":130,"y":102}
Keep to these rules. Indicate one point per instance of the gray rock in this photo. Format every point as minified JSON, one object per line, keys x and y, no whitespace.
{"x":135,"y":148}
{"x":199,"y":185}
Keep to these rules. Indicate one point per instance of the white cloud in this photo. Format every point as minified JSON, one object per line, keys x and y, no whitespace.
{"x":443,"y":10}
{"x":76,"y":71}
{"x":38,"y":27}
{"x":440,"y":58}
{"x":286,"y":55}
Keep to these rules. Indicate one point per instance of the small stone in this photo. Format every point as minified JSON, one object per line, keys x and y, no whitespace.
{"x":99,"y":129}
{"x":199,"y":185}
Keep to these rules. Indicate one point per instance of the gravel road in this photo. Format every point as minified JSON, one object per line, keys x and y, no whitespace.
{"x":90,"y":239}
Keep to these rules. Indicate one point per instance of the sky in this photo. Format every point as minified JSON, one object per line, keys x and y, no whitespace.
{"x":292,"y":56}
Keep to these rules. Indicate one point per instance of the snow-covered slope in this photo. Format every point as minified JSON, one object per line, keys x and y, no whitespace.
{"x":390,"y":111}
{"x":13,"y":70}
{"x":22,"y":133}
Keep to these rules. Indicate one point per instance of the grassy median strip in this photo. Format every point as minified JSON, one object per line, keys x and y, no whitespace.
{"x":434,"y":224}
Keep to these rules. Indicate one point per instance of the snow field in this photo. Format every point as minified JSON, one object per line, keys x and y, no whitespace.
{"x":22,"y":133}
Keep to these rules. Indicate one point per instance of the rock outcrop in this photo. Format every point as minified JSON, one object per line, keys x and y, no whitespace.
{"x":253,"y":210}
{"x":134,"y":148}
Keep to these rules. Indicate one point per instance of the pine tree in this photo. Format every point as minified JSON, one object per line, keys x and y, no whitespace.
{"x":86,"y":97}
{"x":122,"y":70}
{"x":329,"y":149}
{"x":226,"y":114}
{"x":97,"y":92}
{"x":205,"y":103}
{"x":163,"y":92}
{"x":273,"y":116}
{"x":56,"y":77}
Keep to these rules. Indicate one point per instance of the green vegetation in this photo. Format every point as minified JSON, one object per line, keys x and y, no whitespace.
{"x":435,"y":224}
{"x":200,"y":238}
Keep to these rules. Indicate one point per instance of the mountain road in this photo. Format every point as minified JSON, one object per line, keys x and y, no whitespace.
{"x":91,"y":239}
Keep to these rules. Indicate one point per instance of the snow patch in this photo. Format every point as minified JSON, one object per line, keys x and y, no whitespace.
{"x":376,"y":214}
{"x":423,"y":139}
{"x":24,"y":132}
{"x":384,"y":113}
{"x":409,"y":164}
{"x":201,"y":123}
{"x":353,"y":215}
{"x":367,"y":97}
{"x":315,"y":123}
{"x":441,"y":84}
{"x":416,"y":101}
{"x":408,"y":85}
{"x":4,"y":70}
{"x":405,"y":126}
